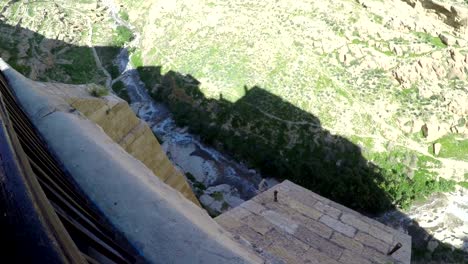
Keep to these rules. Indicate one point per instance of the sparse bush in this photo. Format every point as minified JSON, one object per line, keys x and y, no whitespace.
{"x":98,"y":91}
{"x":123,"y":15}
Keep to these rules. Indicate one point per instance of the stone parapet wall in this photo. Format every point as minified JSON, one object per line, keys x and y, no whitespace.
{"x":303,"y":227}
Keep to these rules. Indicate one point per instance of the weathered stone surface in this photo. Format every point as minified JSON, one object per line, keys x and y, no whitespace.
{"x":259,"y":224}
{"x":347,"y":242}
{"x":338,"y":226}
{"x":287,"y":247}
{"x":327,"y":209}
{"x":354,"y":221}
{"x":120,"y":123}
{"x":280,"y":221}
{"x":317,"y":242}
{"x":376,"y":256}
{"x":319,"y":228}
{"x":253,"y":207}
{"x":314,"y":256}
{"x":295,"y":236}
{"x":372,"y":242}
{"x":381,"y":234}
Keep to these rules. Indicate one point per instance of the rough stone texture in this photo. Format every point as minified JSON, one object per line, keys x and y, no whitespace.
{"x":303,"y":227}
{"x":120,"y":123}
{"x":156,"y":219}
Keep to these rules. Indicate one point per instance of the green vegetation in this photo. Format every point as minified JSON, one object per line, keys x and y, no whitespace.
{"x":452,"y":147}
{"x":122,"y":36}
{"x":198,"y":187}
{"x":400,"y":185}
{"x":121,"y":91}
{"x":123,"y":15}
{"x":98,"y":90}
{"x":378,"y":19}
{"x":218,"y":196}
{"x":107,"y":56}
{"x":136,"y":59}
{"x":324,"y":163}
{"x":82,"y":67}
{"x":428,"y":38}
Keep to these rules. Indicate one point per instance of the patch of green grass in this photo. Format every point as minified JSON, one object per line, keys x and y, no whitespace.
{"x":123,"y":15}
{"x":98,"y":90}
{"x":359,"y":41}
{"x":452,"y":147}
{"x":463,"y":184}
{"x":378,"y":19}
{"x":218,"y":196}
{"x":428,"y":38}
{"x":122,"y":36}
{"x":136,"y":59}
{"x":82,"y":69}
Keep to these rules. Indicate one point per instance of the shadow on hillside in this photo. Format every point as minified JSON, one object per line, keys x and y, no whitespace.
{"x":260,"y":128}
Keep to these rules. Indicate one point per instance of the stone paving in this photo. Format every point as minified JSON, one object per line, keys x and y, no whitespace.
{"x":303,"y":227}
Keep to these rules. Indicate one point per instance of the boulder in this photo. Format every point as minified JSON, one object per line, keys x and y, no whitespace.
{"x":436,"y":148}
{"x":447,"y":39}
{"x":220,"y":198}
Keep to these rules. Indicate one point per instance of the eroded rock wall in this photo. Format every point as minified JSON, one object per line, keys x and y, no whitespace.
{"x":120,"y":123}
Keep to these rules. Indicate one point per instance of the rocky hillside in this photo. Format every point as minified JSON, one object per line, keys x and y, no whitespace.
{"x":312,"y":91}
{"x":362,"y":101}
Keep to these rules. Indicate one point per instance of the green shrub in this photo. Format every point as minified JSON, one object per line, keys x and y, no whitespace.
{"x":98,"y":91}
{"x":123,"y":35}
{"x":329,"y":165}
{"x":121,"y":91}
{"x":218,"y":196}
{"x":123,"y":15}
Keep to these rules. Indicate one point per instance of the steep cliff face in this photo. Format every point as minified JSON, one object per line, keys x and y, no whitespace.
{"x":120,"y":123}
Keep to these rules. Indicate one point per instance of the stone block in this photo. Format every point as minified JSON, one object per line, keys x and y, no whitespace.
{"x":381,"y":234}
{"x":314,"y":256}
{"x":355,"y":221}
{"x":372,"y":242}
{"x":280,"y":221}
{"x":349,"y":257}
{"x":253,"y":207}
{"x":338,"y":225}
{"x":317,"y":242}
{"x":319,"y":228}
{"x":259,"y":224}
{"x":326,"y":209}
{"x":346,"y":242}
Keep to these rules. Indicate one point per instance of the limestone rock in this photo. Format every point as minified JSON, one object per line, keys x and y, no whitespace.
{"x":436,"y":148}
{"x":447,"y":39}
{"x":220,"y":198}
